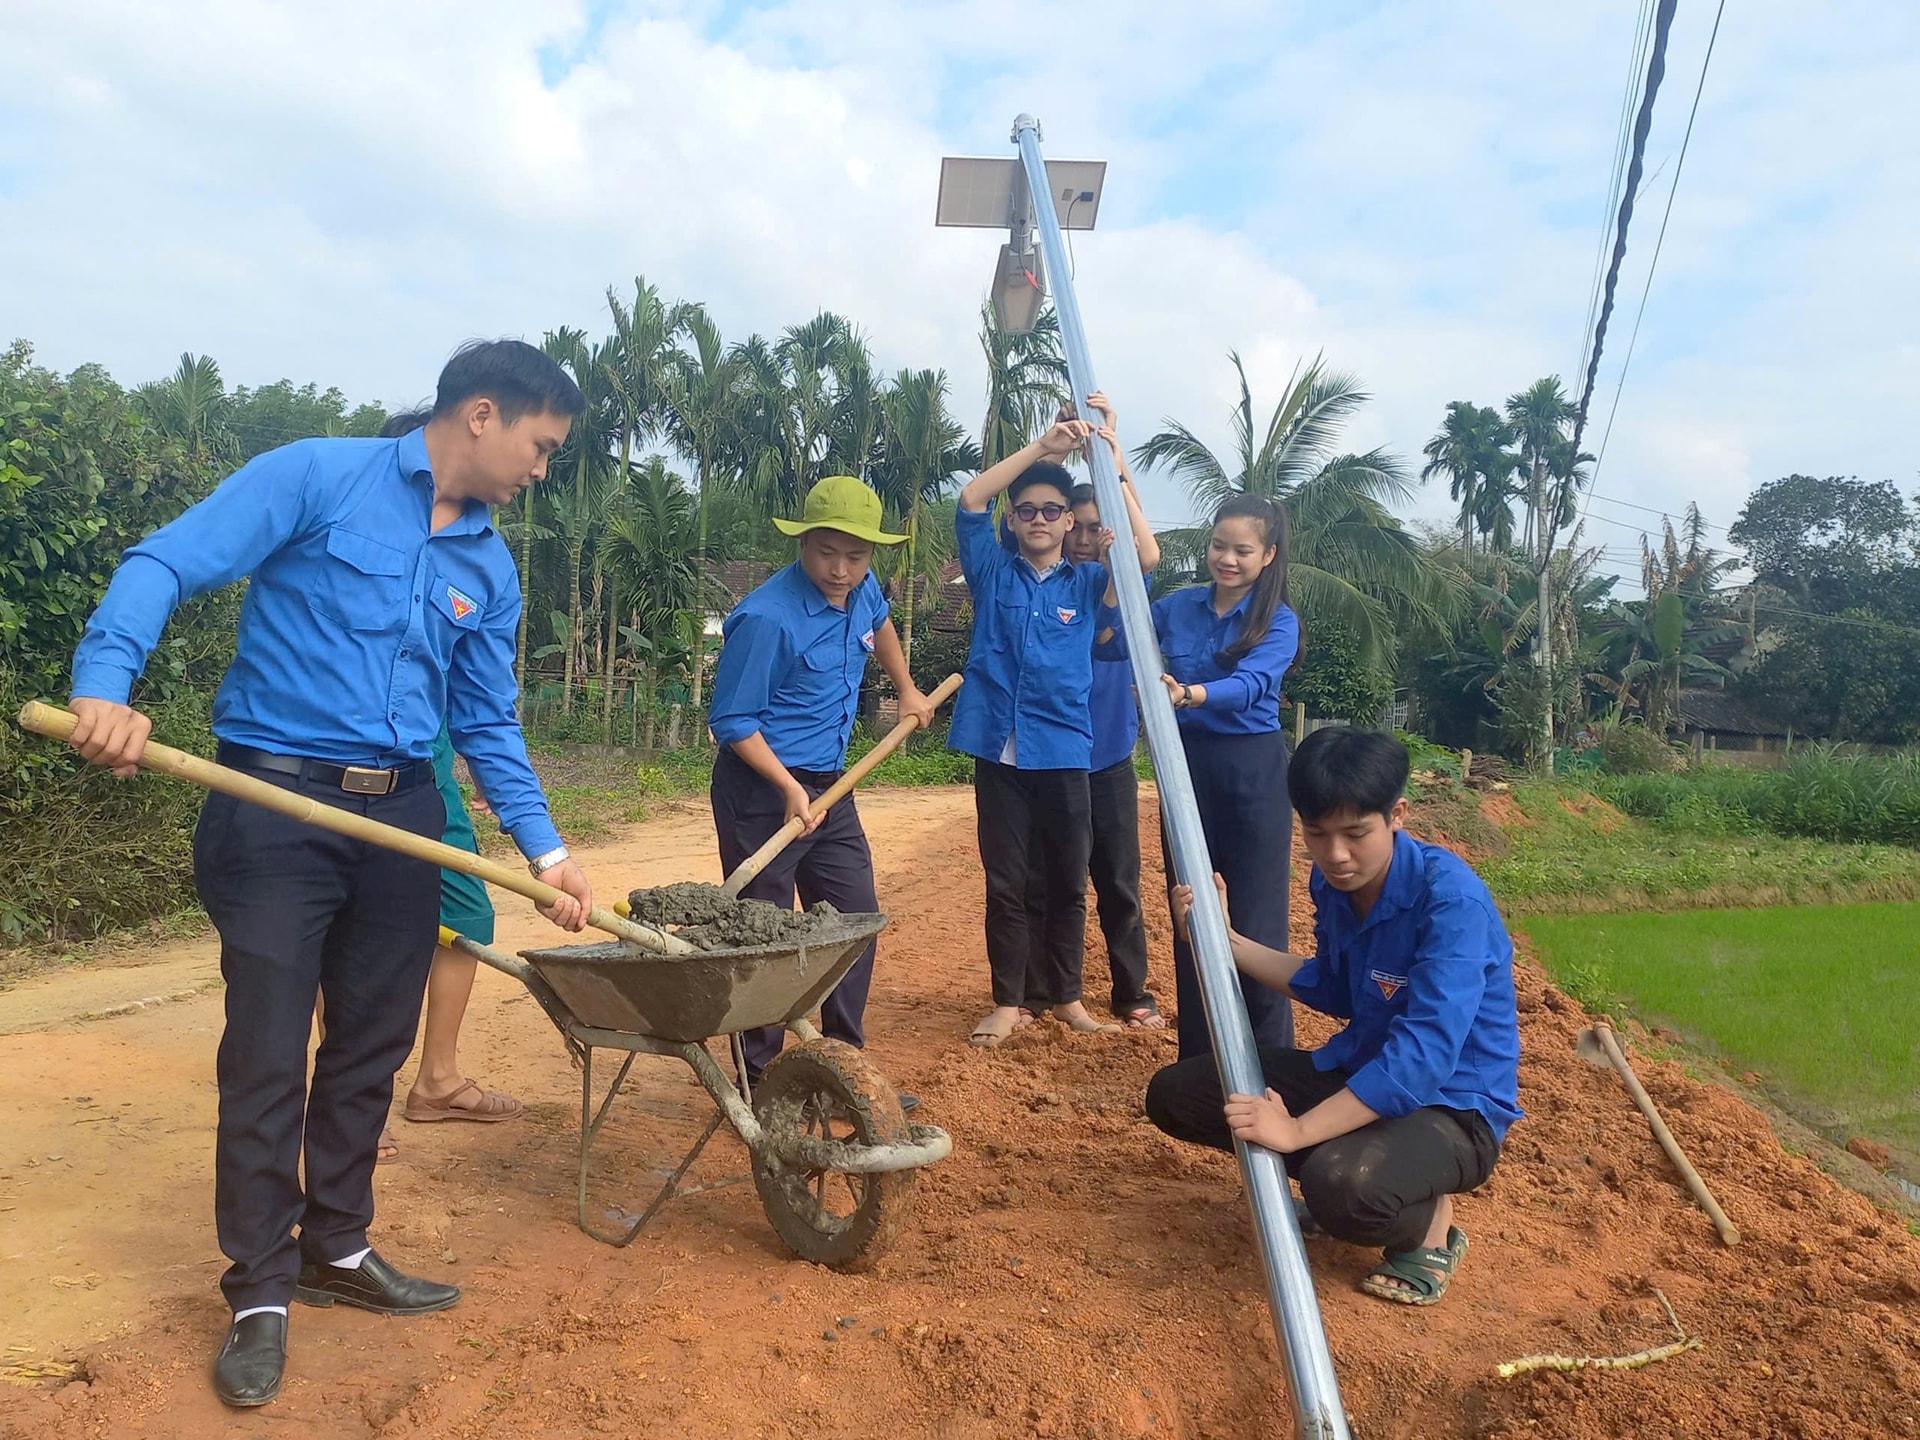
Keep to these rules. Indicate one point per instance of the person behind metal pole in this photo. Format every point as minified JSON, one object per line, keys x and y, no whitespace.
{"x":1225,"y":646}
{"x":1408,"y":1105}
{"x":785,"y":693}
{"x":381,"y":600}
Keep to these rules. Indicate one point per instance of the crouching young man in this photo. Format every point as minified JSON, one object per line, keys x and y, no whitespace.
{"x":1406,"y":1107}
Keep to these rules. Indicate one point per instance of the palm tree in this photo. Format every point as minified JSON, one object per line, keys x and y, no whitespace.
{"x":1026,"y":381}
{"x":191,"y":406}
{"x":657,"y":582}
{"x":921,"y":448}
{"x":701,"y":409}
{"x":1541,"y":418}
{"x":589,"y":455}
{"x":1350,"y":559}
{"x":1470,"y":450}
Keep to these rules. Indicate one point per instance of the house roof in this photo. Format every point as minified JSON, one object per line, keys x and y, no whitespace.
{"x":739,"y":578}
{"x":1725,"y":714}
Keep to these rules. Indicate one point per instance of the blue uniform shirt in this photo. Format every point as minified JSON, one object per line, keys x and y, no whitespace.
{"x":1243,"y":700}
{"x":790,"y":668}
{"x":1030,"y":666}
{"x":1427,"y":982}
{"x":362,"y":629}
{"x":1110,"y":704}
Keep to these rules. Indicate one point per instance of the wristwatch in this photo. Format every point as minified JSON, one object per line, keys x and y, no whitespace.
{"x":1186,"y":697}
{"x":540,"y":864}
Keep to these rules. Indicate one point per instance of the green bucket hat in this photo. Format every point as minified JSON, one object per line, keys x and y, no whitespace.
{"x":840,"y":502}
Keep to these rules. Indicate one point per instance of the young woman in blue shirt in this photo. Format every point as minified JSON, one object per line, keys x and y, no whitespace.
{"x":1408,"y":1105}
{"x":1225,"y":647}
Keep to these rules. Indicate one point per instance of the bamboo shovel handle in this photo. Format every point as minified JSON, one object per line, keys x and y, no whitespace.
{"x":1729,"y":1233}
{"x":748,"y":868}
{"x":58,"y":724}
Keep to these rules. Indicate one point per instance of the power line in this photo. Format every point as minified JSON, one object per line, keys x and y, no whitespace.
{"x":1642,"y":124}
{"x":1622,"y":132}
{"x":1660,"y":241}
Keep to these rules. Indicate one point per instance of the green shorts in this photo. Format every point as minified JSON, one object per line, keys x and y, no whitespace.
{"x":464,"y":905}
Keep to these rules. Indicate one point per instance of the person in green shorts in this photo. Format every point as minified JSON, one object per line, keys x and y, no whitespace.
{"x":440,"y":1091}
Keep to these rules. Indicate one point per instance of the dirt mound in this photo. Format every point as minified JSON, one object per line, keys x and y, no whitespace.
{"x":1068,"y":1272}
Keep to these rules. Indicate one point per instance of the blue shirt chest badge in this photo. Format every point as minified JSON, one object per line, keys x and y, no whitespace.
{"x":866,"y":641}
{"x":1066,"y":615}
{"x":463,"y":605}
{"x":1390,"y":985}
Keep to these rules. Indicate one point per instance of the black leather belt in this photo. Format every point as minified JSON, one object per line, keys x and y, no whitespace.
{"x":354,"y":779}
{"x":822,"y":778}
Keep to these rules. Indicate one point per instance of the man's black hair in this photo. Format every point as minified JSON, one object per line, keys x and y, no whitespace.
{"x":518,"y":378}
{"x":1041,"y":472}
{"x":1341,"y":768}
{"x":404,"y":422}
{"x":1083,"y":494}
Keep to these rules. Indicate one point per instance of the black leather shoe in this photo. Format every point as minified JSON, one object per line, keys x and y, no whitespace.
{"x":248,"y":1369}
{"x":374,"y":1285}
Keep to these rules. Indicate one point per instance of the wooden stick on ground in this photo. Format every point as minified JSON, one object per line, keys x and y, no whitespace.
{"x":1528,"y":1363}
{"x":1729,"y":1233}
{"x":58,"y":723}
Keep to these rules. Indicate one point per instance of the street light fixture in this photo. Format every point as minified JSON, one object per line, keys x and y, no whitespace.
{"x":990,"y":194}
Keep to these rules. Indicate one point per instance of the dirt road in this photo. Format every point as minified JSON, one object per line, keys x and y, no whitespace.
{"x":1068,"y":1271}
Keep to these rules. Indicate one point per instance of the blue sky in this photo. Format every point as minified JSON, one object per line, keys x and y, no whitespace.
{"x":1413,"y":190}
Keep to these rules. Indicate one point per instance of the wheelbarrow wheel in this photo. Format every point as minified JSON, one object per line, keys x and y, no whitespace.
{"x":828,"y":1090}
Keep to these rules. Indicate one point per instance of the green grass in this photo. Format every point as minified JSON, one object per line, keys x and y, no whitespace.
{"x":1571,"y":856}
{"x":1818,"y":999}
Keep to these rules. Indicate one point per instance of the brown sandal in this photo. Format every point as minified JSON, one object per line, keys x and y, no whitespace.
{"x":491,"y":1107}
{"x":389,"y":1147}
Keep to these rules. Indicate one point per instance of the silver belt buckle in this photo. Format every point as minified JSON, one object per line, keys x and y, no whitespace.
{"x":365,"y":780}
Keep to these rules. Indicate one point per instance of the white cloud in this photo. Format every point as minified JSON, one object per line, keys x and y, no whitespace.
{"x":344,"y":194}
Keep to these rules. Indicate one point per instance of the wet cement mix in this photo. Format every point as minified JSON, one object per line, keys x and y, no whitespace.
{"x":1069,"y":1271}
{"x":712,"y":920}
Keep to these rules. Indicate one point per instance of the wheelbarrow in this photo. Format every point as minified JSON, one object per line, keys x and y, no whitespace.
{"x":833,"y":1157}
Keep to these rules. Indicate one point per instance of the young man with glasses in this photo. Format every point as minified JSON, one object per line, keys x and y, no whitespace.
{"x":1023,"y":715}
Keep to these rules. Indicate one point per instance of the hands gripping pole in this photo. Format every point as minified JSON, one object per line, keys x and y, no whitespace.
{"x":1296,"y":1313}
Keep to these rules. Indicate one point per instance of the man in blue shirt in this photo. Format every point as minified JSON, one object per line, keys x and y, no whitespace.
{"x":1407,"y":1106}
{"x":785,"y":693}
{"x":1023,"y":716}
{"x":381,"y":600}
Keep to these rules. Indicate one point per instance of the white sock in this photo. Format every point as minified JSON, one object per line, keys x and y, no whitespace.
{"x":352,"y":1262}
{"x":240,"y":1315}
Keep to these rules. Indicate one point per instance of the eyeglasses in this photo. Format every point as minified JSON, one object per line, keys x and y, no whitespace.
{"x":1030,"y":512}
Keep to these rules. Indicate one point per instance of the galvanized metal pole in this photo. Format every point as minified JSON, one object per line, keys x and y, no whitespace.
{"x":1296,"y":1312}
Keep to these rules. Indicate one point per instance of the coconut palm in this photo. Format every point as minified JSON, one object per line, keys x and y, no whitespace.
{"x":1026,"y":381}
{"x":921,"y":448}
{"x":807,"y":404}
{"x":588,"y":459}
{"x":1350,"y":558}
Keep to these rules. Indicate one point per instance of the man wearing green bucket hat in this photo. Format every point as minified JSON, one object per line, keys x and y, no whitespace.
{"x":785,"y":693}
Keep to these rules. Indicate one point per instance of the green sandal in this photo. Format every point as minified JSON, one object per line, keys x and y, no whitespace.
{"x":1427,"y":1272}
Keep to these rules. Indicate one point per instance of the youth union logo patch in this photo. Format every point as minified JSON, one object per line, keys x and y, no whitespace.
{"x":1390,"y":985}
{"x":866,"y":641}
{"x":1066,"y":615}
{"x":462,"y":606}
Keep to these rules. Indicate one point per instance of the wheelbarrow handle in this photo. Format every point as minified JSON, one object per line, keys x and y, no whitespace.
{"x":58,"y":724}
{"x":750,"y":867}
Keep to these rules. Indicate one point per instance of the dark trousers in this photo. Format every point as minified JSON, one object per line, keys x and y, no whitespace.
{"x":1377,"y":1185}
{"x":1113,"y":803}
{"x":301,"y":911}
{"x":832,"y":864}
{"x":1240,"y":784}
{"x":1035,"y":829}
